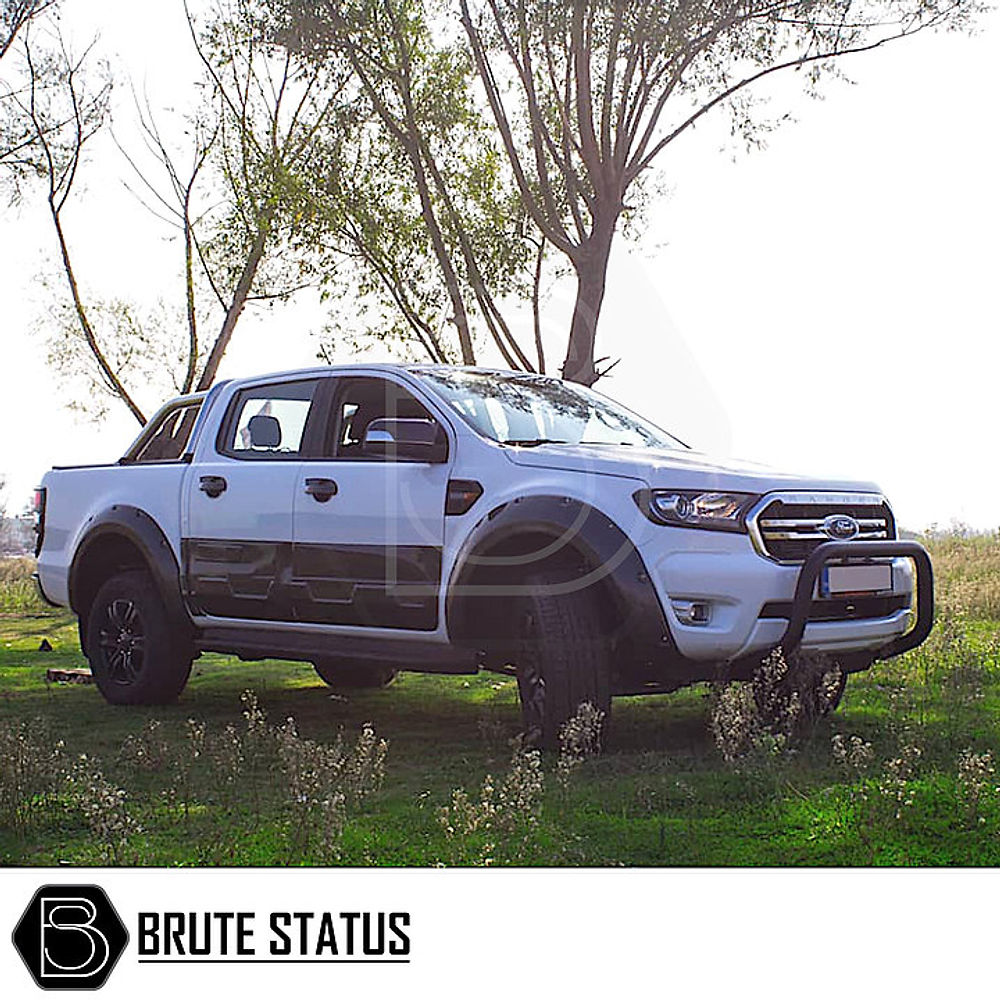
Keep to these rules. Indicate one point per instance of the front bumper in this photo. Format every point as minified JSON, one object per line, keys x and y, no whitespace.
{"x":743,"y":590}
{"x":859,"y":552}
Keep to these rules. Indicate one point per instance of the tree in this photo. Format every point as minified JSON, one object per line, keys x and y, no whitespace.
{"x":15,"y":16}
{"x":64,"y":109}
{"x":176,"y":206}
{"x":418,"y":190}
{"x":234,"y":202}
{"x":16,"y":20}
{"x":270,"y":105}
{"x":586,"y":94}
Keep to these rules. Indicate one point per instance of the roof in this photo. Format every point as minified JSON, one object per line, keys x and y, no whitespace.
{"x":383,"y":366}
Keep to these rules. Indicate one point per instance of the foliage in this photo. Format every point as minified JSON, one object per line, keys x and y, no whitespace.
{"x":781,"y":705}
{"x":147,"y":348}
{"x":268,"y":106}
{"x":105,"y":809}
{"x":18,"y":593}
{"x":30,"y":768}
{"x":420,"y":216}
{"x":17,"y":19}
{"x":580,"y":739}
{"x":235,"y":206}
{"x":587,"y":94}
{"x":967,"y":571}
{"x":977,"y":783}
{"x":502,"y":822}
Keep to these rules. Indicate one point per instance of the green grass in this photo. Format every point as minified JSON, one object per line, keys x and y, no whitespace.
{"x":18,"y":594}
{"x":660,"y":795}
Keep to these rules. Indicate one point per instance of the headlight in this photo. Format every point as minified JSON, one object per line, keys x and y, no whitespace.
{"x":694,"y":509}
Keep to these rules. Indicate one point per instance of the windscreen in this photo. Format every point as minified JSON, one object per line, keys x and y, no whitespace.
{"x":532,"y":409}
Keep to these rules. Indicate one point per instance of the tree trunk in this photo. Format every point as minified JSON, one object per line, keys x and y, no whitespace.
{"x":591,"y":267}
{"x":239,"y":300}
{"x":192,"y":363}
{"x":461,"y":317}
{"x":112,"y":380}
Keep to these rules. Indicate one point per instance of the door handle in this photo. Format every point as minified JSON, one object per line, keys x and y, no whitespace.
{"x":214,"y":486}
{"x":321,"y":489}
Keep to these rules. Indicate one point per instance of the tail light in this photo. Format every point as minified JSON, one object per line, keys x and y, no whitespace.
{"x":39,"y":511}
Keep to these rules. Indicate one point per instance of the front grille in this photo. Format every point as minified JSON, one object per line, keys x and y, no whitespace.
{"x":789,"y":529}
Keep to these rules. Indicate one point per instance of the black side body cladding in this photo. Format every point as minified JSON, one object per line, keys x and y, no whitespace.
{"x":516,"y":538}
{"x":360,"y":585}
{"x":141,"y":532}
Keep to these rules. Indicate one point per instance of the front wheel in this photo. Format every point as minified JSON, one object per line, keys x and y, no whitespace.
{"x":562,"y":659}
{"x":136,"y":658}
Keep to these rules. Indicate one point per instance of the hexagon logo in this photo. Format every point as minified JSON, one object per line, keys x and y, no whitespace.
{"x":70,"y":937}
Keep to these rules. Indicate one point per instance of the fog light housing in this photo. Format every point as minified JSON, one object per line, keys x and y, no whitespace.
{"x":692,"y":612}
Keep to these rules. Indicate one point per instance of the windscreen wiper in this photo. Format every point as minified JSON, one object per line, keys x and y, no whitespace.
{"x":532,"y":442}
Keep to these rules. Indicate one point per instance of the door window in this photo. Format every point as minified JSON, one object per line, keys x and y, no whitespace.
{"x":269,"y":421}
{"x":358,"y":403}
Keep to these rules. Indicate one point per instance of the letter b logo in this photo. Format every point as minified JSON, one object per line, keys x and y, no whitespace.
{"x":70,"y":937}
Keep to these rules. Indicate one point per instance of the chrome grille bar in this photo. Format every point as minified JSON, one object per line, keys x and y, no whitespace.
{"x":796,"y":523}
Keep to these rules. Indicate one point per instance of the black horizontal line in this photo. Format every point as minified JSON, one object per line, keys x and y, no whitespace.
{"x":273,"y":961}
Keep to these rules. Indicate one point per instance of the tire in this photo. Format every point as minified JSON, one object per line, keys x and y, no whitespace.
{"x":341,"y":672}
{"x":135,"y":655}
{"x":562,"y":659}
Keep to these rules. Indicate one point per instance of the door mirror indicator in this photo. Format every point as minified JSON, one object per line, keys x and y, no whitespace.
{"x":462,"y":494}
{"x":406,"y":438}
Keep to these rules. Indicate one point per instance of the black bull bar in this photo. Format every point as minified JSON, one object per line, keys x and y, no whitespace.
{"x":863,"y":552}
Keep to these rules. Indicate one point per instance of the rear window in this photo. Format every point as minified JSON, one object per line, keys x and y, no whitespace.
{"x":166,"y":439}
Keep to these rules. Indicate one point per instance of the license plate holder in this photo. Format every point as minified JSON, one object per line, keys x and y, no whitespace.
{"x":855,"y":579}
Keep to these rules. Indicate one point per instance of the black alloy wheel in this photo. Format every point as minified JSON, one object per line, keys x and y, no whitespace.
{"x":137,"y":655}
{"x":122,"y":642}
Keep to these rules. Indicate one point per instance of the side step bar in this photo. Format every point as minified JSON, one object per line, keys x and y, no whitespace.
{"x":257,"y":644}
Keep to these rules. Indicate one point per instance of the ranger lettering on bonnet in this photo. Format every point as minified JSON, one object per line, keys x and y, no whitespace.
{"x":371,"y":518}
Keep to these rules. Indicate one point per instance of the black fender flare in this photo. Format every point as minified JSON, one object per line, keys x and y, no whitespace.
{"x":141,"y":530}
{"x":608,"y":557}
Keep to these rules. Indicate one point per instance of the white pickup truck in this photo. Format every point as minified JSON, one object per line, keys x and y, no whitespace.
{"x":371,"y":518}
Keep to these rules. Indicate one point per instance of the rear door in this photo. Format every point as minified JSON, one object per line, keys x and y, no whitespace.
{"x":238,"y":528}
{"x":368,"y":531}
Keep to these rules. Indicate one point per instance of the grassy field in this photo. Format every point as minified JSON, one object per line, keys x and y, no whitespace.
{"x":902,"y":774}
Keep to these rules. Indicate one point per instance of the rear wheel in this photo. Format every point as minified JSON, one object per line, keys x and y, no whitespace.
{"x":561,"y":656}
{"x":135,"y":656}
{"x":341,"y":672}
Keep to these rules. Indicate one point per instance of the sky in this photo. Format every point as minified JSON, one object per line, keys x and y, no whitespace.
{"x":825,"y":305}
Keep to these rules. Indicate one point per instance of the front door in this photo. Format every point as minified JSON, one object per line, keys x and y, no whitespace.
{"x":237,"y":538}
{"x":368,"y":530}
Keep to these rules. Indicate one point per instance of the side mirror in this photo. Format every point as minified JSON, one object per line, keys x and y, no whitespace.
{"x":414,"y":439}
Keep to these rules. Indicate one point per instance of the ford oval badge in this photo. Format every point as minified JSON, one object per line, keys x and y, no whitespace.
{"x":841,"y":527}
